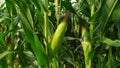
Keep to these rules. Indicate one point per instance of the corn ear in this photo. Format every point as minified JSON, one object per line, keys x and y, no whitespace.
{"x":59,"y":33}
{"x":87,"y":48}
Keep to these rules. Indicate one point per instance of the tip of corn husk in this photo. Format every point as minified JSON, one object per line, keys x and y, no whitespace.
{"x":66,"y":16}
{"x":83,"y":31}
{"x":8,"y":40}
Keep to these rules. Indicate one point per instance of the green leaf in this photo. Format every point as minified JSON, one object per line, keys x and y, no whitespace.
{"x":25,"y":13}
{"x":67,"y":55}
{"x":27,"y":25}
{"x":107,"y":11}
{"x":35,"y":44}
{"x":109,"y":63}
{"x":116,"y":13}
{"x":2,"y":55}
{"x":68,"y":6}
{"x":39,"y":4}
{"x":103,"y":14}
{"x":84,"y":8}
{"x":110,"y":42}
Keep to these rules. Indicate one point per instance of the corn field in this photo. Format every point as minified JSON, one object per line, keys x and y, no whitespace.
{"x":60,"y":34}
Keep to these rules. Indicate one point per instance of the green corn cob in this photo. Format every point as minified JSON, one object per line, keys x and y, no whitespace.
{"x":87,"y":48}
{"x":59,"y":33}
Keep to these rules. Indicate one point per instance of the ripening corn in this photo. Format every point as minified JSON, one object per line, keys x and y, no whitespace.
{"x":85,"y":42}
{"x":59,"y":33}
{"x":87,"y":48}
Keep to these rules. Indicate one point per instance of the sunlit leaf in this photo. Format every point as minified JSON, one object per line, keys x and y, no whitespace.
{"x":2,"y":55}
{"x":110,"y":42}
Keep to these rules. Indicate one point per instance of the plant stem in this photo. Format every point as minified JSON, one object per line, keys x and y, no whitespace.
{"x":57,"y":10}
{"x":46,"y":30}
{"x":9,"y":58}
{"x":92,"y":24}
{"x":46,"y":24}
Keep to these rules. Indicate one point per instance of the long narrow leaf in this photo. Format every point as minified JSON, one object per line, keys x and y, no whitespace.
{"x":107,"y":11}
{"x":110,"y":42}
{"x":2,"y":55}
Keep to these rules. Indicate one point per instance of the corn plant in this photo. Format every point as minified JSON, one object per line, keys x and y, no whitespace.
{"x":60,"y":34}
